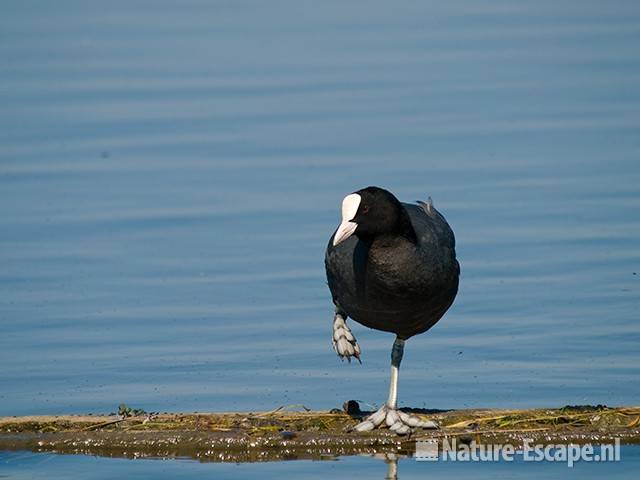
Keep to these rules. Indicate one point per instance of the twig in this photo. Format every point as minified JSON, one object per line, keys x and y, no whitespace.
{"x":634,"y":423}
{"x":103,"y":424}
{"x":466,"y":423}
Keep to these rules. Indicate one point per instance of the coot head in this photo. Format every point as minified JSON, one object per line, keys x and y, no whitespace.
{"x":370,"y":212}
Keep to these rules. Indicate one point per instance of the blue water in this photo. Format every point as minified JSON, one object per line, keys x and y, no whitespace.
{"x":26,"y":465}
{"x":170,"y":174}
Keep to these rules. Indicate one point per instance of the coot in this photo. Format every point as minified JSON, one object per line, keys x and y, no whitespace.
{"x":390,"y":266}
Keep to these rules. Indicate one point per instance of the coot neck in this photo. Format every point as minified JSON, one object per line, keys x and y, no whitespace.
{"x":402,"y":228}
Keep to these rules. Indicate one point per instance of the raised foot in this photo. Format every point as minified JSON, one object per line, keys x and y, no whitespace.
{"x":344,"y":343}
{"x":397,"y":421}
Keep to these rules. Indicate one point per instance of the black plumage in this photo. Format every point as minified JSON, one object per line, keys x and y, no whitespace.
{"x":398,"y":271}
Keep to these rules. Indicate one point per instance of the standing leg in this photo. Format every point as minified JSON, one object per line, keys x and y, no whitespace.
{"x":396,"y":357}
{"x":397,"y":420}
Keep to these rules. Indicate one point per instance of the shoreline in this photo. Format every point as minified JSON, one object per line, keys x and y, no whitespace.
{"x":282,"y":434}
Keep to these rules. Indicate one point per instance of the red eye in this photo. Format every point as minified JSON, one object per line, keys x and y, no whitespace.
{"x":365,"y":208}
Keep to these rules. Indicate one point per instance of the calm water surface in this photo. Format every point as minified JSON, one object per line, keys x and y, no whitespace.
{"x":26,"y":465}
{"x":170,"y":174}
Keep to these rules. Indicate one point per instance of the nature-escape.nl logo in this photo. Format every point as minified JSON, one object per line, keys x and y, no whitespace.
{"x":453,"y":451}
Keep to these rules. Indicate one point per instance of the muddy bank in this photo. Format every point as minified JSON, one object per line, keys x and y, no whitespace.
{"x":280,"y":434}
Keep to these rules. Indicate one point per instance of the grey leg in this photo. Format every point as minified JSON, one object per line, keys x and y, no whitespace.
{"x":389,"y":415}
{"x":396,"y":357}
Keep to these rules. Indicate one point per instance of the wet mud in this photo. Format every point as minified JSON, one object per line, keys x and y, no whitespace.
{"x":285,"y":435}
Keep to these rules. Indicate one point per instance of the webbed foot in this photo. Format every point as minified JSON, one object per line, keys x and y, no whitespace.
{"x":344,"y":343}
{"x":398,"y":421}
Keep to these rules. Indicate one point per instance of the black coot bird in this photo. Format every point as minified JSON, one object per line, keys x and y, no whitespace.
{"x":391,"y":266}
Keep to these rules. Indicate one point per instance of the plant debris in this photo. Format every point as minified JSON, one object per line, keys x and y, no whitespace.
{"x":287,"y":433}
